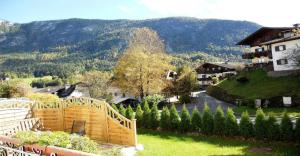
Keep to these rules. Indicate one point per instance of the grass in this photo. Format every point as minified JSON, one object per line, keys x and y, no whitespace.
{"x":293,"y":112}
{"x":262,"y":86}
{"x":172,"y":144}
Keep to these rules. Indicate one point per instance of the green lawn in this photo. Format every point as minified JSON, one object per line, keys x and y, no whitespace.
{"x":262,"y":86}
{"x":293,"y":111}
{"x":171,"y":144}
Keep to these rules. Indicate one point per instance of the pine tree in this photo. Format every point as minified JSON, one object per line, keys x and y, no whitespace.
{"x":139,"y":116}
{"x":122,"y":110}
{"x":115,"y":107}
{"x":154,"y":117}
{"x":147,"y":116}
{"x":196,"y":120}
{"x":144,"y":102}
{"x":286,"y":127}
{"x":165,"y":119}
{"x":297,"y":130}
{"x":231,"y":125}
{"x":219,"y":121}
{"x":207,"y":121}
{"x":185,"y":123}
{"x":129,"y":113}
{"x":260,"y":124}
{"x":174,"y":118}
{"x":246,"y":126}
{"x":273,"y":129}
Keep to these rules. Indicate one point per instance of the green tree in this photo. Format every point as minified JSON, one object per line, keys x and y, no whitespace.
{"x":286,"y":127}
{"x":273,"y":129}
{"x":139,"y":116}
{"x":122,"y":110}
{"x":196,"y":120}
{"x":207,"y":120}
{"x":129,"y":113}
{"x":231,"y":125}
{"x":185,"y":123}
{"x":146,"y":116}
{"x":297,"y":130}
{"x":174,"y":118}
{"x":260,"y":124}
{"x":115,"y":107}
{"x":165,"y":119}
{"x":246,"y":126}
{"x":219,"y":121}
{"x":154,"y":117}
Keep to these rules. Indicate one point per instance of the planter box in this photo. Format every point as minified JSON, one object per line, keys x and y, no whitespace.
{"x":41,"y":150}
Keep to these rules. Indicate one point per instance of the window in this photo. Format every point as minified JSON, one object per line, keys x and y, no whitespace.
{"x":259,"y":49}
{"x":282,"y":61}
{"x":123,"y":95}
{"x":213,"y":69}
{"x":219,"y":68}
{"x":116,"y":94}
{"x":280,"y":48}
{"x":203,"y":76}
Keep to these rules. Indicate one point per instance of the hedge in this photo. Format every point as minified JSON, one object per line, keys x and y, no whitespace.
{"x":219,"y":121}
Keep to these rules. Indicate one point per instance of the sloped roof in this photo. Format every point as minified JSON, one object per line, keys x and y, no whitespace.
{"x":281,"y":40}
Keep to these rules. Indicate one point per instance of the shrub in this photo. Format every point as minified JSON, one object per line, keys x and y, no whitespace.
{"x":273,"y":129}
{"x":297,"y":130}
{"x":184,"y":98}
{"x":129,"y":113}
{"x":122,"y":110}
{"x":146,"y":116}
{"x":185,"y":123}
{"x":242,"y":79}
{"x":152,"y":99}
{"x":144,"y":103}
{"x":246,"y":126}
{"x":139,"y":116}
{"x":115,"y":107}
{"x":174,"y":118}
{"x":165,"y":119}
{"x":207,"y":121}
{"x":286,"y":127}
{"x":260,"y":124}
{"x":219,"y":121}
{"x":231,"y":125}
{"x":43,"y":97}
{"x":154,"y":117}
{"x":196,"y":120}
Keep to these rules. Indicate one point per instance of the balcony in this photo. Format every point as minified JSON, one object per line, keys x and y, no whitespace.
{"x":251,"y":55}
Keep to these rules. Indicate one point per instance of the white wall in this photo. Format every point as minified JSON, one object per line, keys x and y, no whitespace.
{"x":290,"y":45}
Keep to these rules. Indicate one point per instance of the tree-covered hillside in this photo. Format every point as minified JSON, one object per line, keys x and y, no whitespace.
{"x":180,"y":34}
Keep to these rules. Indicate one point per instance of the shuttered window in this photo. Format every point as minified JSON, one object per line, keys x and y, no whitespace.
{"x":282,"y":61}
{"x":280,"y":48}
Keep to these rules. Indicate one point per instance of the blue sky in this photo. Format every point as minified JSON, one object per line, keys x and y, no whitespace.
{"x":265,"y":12}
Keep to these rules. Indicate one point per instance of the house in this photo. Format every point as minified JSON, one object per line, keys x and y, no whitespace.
{"x":67,"y":91}
{"x":272,"y":46}
{"x":207,"y":71}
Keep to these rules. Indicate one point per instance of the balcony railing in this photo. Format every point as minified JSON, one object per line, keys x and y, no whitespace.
{"x":251,"y":55}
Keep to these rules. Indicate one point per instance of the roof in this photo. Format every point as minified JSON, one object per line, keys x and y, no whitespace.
{"x":281,"y":40}
{"x":260,"y":33}
{"x":225,"y":65}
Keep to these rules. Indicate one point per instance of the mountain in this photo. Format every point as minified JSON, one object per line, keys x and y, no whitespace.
{"x":180,"y":35}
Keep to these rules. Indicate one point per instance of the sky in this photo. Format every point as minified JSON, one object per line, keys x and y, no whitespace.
{"x":264,"y":12}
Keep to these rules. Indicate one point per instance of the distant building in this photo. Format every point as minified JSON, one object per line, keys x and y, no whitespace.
{"x":67,"y":91}
{"x":207,"y":71}
{"x":271,"y":46}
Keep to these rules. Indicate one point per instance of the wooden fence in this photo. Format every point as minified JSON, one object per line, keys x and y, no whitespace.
{"x":103,"y":123}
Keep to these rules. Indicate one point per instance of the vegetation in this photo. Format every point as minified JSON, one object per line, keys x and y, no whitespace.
{"x":196,"y":120}
{"x":122,"y":110}
{"x":174,"y":118}
{"x":146,"y":116}
{"x":207,"y":121}
{"x":165,"y":119}
{"x":60,"y":139}
{"x":14,"y":88}
{"x":231,"y":125}
{"x":219,"y":121}
{"x":154,"y":117}
{"x":286,"y":128}
{"x":260,"y":124}
{"x":139,"y":116}
{"x":246,"y":126}
{"x":129,"y":113}
{"x":273,"y":129}
{"x":185,"y":123}
{"x":174,"y":144}
{"x":277,"y":112}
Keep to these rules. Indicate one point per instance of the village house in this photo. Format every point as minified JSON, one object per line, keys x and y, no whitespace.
{"x":272,"y":46}
{"x":206,"y":72}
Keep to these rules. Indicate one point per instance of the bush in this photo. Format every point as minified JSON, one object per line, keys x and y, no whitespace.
{"x":115,"y":107}
{"x":242,"y":79}
{"x":165,"y":119}
{"x":185,"y":98}
{"x":174,"y":118}
{"x":144,"y":103}
{"x":286,"y":127}
{"x":260,"y":124}
{"x":122,"y":110}
{"x":152,"y":99}
{"x":219,"y":121}
{"x":273,"y":129}
{"x":231,"y":125}
{"x":246,"y":126}
{"x":139,"y":116}
{"x":43,"y":97}
{"x":146,"y":116}
{"x":185,"y":123}
{"x":207,"y":121}
{"x":129,"y":113}
{"x":297,"y":130}
{"x":154,"y":117}
{"x":196,"y":120}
